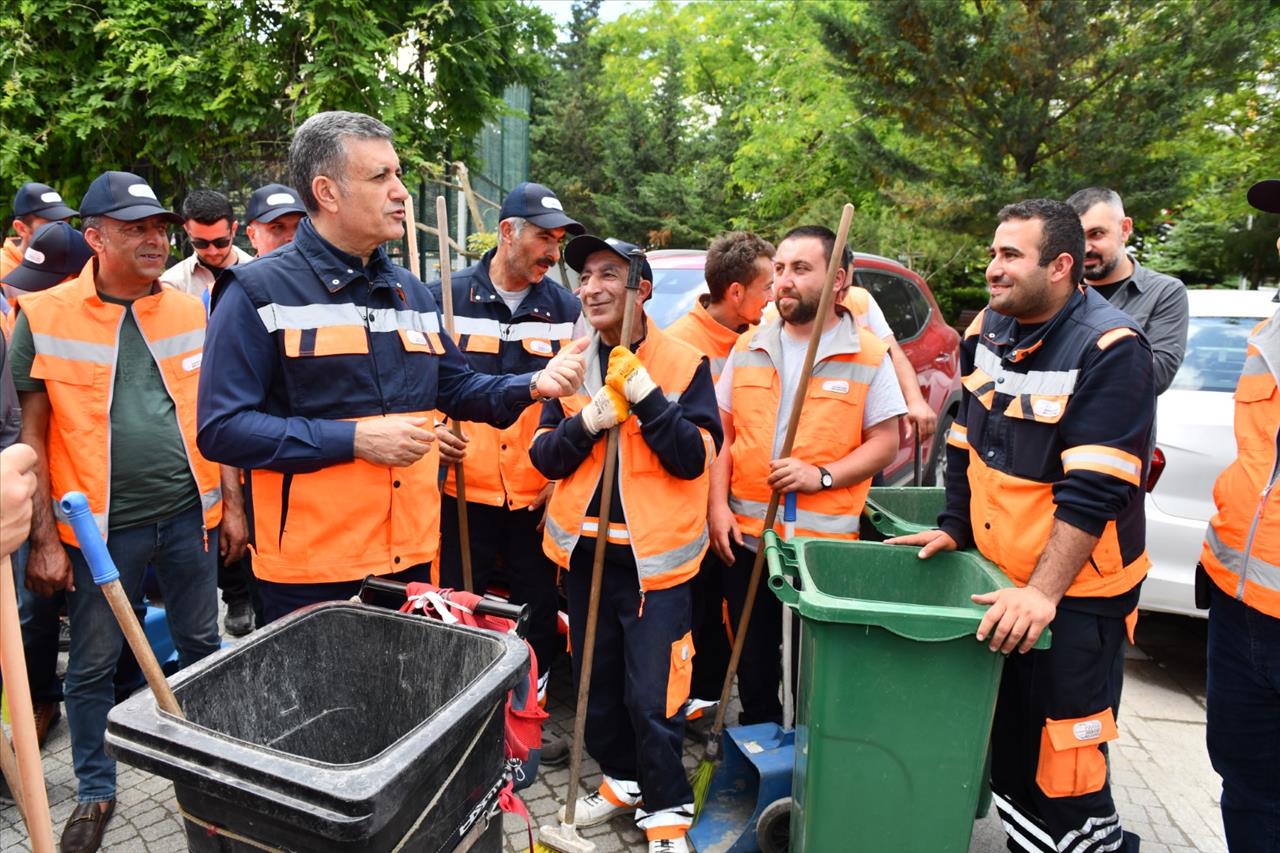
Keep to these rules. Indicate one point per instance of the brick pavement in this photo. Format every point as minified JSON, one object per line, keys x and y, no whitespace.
{"x":1165,"y":788}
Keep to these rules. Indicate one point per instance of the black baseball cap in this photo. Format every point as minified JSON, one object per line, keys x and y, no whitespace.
{"x":538,"y":205}
{"x":271,"y":202}
{"x":55,"y":252}
{"x":123,"y":196}
{"x":1265,"y":195}
{"x":42,"y":200}
{"x":580,"y":248}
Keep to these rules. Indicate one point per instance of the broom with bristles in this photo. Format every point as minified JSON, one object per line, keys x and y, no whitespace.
{"x":701,"y":780}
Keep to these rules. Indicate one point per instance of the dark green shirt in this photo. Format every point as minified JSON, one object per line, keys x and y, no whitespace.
{"x":150,"y":476}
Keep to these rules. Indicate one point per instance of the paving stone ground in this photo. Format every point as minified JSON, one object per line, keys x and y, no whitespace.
{"x":1165,"y":788}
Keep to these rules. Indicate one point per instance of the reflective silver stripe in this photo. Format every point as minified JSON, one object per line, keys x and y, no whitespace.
{"x":99,"y":518}
{"x":277,"y":317}
{"x":851,"y":370}
{"x":73,"y":350}
{"x":1047,"y":382}
{"x":1260,"y":572}
{"x":616,"y":531}
{"x":178,"y":344}
{"x":1016,"y":823}
{"x":211,"y":498}
{"x":1076,"y":457}
{"x":806,"y":519}
{"x":657,"y":564}
{"x":564,"y":540}
{"x":717,"y":365}
{"x":1094,"y":831}
{"x":959,"y":435}
{"x":512,"y":331}
{"x":1254,"y":365}
{"x":752,"y":358}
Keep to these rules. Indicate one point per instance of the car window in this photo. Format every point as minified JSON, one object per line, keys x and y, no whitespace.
{"x":674,"y":292}
{"x":1215,"y":353}
{"x":904,"y":307}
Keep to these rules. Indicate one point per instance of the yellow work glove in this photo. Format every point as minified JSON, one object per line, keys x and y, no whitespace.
{"x":607,"y":409}
{"x":627,"y":375}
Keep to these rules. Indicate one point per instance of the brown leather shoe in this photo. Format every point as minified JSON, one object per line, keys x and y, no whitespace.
{"x":83,"y":832}
{"x":47,"y":716}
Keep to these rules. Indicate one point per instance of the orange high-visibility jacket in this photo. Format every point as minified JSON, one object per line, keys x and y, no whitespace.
{"x":830,"y":425}
{"x":77,"y":337}
{"x":705,"y":334}
{"x":666,"y":516}
{"x":10,"y":256}
{"x":1242,"y":546}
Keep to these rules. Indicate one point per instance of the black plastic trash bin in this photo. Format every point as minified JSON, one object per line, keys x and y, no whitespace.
{"x":341,"y":727}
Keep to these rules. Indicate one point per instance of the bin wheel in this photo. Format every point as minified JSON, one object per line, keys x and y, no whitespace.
{"x":773,"y":828}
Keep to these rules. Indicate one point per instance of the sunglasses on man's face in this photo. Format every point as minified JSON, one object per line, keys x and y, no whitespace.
{"x":219,"y":243}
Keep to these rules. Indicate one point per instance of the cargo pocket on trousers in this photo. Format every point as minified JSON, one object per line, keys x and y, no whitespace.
{"x":680,"y":676}
{"x":1071,"y":764}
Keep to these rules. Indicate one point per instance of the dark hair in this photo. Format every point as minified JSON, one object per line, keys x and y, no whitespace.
{"x":27,"y":219}
{"x":206,"y":207}
{"x":828,"y":238}
{"x":1063,"y":233}
{"x":318,"y":149}
{"x":732,"y":257}
{"x":1082,"y":201}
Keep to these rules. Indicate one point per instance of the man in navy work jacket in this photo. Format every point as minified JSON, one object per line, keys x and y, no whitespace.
{"x":329,"y":364}
{"x":510,"y":317}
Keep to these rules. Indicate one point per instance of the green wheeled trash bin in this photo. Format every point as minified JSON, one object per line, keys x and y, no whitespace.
{"x":896,"y":696}
{"x":902,"y":510}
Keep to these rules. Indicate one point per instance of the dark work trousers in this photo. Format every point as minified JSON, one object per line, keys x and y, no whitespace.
{"x":512,"y":536}
{"x":1244,"y":721}
{"x":237,"y":582}
{"x":1073,"y":679}
{"x":281,"y":599}
{"x":709,"y":635}
{"x":760,"y":668}
{"x":628,"y":730}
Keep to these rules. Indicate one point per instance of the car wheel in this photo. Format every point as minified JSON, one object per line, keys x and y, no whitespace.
{"x":935,"y":473}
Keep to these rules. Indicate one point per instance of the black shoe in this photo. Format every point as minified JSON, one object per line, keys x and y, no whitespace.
{"x":555,"y":753}
{"x":239,"y":619}
{"x":83,"y":832}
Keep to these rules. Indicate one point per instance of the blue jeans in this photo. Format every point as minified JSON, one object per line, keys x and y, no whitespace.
{"x":1244,"y":721}
{"x":188,"y":576}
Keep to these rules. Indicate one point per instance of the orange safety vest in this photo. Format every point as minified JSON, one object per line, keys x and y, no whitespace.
{"x":77,"y":337}
{"x":666,"y":517}
{"x":10,"y":256}
{"x":830,"y":425}
{"x":1242,"y":545}
{"x":858,"y":301}
{"x":706,"y":334}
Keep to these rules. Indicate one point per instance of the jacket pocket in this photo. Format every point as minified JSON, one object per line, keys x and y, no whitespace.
{"x":1071,"y":764}
{"x":327,"y":340}
{"x":680,"y":675}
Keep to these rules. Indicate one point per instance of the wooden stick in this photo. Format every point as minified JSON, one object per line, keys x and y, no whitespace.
{"x":771,"y":514}
{"x":11,"y":774}
{"x":597,"y":561}
{"x":459,"y":480}
{"x":411,"y":232}
{"x":464,"y":178}
{"x":31,"y":791}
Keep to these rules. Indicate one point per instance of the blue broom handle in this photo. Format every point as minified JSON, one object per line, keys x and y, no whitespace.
{"x":76,"y":508}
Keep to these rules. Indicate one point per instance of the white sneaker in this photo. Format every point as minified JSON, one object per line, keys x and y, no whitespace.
{"x":594,"y":809}
{"x":695,"y":708}
{"x":669,"y":845}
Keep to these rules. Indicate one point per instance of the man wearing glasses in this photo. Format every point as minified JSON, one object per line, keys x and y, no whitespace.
{"x":210,"y":227}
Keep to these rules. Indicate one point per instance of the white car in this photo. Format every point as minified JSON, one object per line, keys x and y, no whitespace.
{"x":1194,"y":433}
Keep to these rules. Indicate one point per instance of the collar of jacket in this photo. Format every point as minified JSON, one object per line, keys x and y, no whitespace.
{"x":1002,"y":339}
{"x":844,"y":341}
{"x":335,"y":268}
{"x":484,"y":291}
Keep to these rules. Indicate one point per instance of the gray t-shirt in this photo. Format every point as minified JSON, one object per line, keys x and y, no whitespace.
{"x":513,"y":298}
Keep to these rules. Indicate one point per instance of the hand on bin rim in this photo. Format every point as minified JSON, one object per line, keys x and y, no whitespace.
{"x":607,"y":409}
{"x":627,"y":375}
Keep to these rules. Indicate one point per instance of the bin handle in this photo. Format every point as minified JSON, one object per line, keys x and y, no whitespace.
{"x":780,"y":557}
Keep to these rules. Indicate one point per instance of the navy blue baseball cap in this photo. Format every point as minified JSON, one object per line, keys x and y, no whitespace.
{"x":123,"y":196}
{"x":271,"y":202}
{"x":539,"y":205}
{"x":55,"y":252}
{"x":42,"y":200}
{"x":580,"y":248}
{"x":1265,"y":195}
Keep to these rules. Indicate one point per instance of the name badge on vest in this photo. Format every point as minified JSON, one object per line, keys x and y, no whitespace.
{"x":836,"y":386}
{"x":415,"y":337}
{"x":192,"y":362}
{"x":543,"y":347}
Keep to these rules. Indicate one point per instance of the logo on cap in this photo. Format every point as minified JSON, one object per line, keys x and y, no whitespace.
{"x":280,"y":198}
{"x":50,"y":197}
{"x":552,"y":202}
{"x":142,"y":191}
{"x":34,"y":255}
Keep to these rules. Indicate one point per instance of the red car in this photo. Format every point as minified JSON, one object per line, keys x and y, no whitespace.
{"x":931,"y":345}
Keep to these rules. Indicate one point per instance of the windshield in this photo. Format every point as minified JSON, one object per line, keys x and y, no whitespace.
{"x":1215,"y":353}
{"x":674,"y":292}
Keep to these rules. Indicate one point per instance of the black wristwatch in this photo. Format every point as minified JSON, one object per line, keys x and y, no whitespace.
{"x":824,"y":477}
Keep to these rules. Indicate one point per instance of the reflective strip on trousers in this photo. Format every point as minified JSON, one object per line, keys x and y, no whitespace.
{"x":1260,"y":572}
{"x":806,"y":519}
